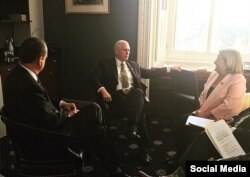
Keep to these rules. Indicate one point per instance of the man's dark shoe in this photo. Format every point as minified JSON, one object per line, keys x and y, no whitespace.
{"x":143,"y":174}
{"x":119,"y":173}
{"x":145,"y":157}
{"x":122,"y":174}
{"x":133,"y":132}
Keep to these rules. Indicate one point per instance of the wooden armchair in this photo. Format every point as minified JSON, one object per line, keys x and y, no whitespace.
{"x":41,"y":152}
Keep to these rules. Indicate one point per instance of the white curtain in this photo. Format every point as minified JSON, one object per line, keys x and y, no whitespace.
{"x":147,"y":18}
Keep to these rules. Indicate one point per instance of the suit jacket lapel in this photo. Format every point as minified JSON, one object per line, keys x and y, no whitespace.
{"x":136,"y":76}
{"x":114,"y":69}
{"x":130,"y":67}
{"x":213,"y":97}
{"x":44,"y":90}
{"x":46,"y":95}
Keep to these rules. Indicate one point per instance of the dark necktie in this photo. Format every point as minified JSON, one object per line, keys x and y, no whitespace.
{"x":38,"y":81}
{"x":124,"y":77}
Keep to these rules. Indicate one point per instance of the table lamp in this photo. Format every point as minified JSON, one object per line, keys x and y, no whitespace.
{"x":246,"y":101}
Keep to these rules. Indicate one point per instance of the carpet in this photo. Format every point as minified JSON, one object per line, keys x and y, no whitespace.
{"x":162,"y":151}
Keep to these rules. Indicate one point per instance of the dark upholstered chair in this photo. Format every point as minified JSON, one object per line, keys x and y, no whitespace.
{"x":186,"y":91}
{"x":112,"y":116}
{"x":41,"y":152}
{"x":245,"y":157}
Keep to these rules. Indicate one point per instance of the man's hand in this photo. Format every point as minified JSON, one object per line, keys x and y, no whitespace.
{"x":175,"y":68}
{"x":73,"y":112}
{"x":70,"y":107}
{"x":105,"y":95}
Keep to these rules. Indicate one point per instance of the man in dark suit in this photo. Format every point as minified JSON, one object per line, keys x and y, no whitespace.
{"x":201,"y":148}
{"x":119,"y":83}
{"x":27,"y":101}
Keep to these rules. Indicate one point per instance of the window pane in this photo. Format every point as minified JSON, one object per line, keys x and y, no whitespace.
{"x":232,"y":25}
{"x":192,"y":24}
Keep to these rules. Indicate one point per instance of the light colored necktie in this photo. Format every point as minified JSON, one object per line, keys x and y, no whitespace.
{"x":124,"y":77}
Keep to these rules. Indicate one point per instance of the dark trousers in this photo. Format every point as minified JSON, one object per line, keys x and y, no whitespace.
{"x":184,"y":134}
{"x":86,"y":127}
{"x":132,"y":106}
{"x":200,"y":148}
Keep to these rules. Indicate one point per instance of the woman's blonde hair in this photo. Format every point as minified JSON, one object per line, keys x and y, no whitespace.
{"x":233,"y":60}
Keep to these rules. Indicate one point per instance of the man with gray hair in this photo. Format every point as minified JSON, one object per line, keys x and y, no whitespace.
{"x":118,"y":80}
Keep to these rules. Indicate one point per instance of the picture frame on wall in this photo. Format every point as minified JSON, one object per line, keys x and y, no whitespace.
{"x":87,"y":6}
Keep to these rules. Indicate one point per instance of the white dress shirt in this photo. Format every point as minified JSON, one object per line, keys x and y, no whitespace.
{"x":130,"y":77}
{"x":31,"y":73}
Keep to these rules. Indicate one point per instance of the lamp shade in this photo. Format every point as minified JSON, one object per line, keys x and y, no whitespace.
{"x":246,"y":101}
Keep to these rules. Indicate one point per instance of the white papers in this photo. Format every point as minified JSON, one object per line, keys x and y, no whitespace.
{"x":198,"y":121}
{"x":223,"y":139}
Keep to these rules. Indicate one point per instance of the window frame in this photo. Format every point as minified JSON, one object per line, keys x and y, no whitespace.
{"x":169,"y":55}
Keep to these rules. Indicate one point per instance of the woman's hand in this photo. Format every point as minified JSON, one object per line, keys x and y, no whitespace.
{"x":230,"y":121}
{"x":202,"y":114}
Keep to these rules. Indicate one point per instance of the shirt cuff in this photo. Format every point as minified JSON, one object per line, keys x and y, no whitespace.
{"x":100,"y":89}
{"x":168,"y":68}
{"x":61,"y":102}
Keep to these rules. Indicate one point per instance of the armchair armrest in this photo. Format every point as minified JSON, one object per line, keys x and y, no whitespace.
{"x":35,"y":130}
{"x":245,"y":157}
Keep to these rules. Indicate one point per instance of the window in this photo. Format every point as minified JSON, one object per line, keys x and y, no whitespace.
{"x":195,"y":30}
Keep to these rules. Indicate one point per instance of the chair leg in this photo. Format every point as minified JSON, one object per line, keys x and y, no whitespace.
{"x":80,"y":155}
